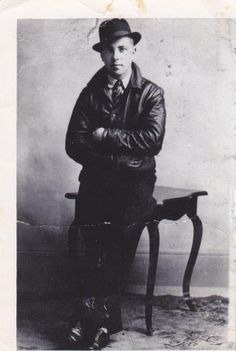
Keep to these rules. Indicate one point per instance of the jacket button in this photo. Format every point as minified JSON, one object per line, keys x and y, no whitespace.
{"x":113,"y":115}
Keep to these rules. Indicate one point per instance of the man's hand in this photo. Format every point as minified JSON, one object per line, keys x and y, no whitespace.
{"x":98,"y":134}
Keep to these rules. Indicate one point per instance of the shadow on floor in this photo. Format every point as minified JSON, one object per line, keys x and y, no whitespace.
{"x":43,"y":324}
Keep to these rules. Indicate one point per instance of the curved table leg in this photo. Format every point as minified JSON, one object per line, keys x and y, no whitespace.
{"x":197,"y":237}
{"x":153,"y":257}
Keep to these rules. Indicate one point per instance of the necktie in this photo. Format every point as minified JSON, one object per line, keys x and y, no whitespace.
{"x":117,"y":91}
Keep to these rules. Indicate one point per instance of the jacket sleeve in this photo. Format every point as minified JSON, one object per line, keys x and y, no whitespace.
{"x":148,"y":139}
{"x":79,"y":144}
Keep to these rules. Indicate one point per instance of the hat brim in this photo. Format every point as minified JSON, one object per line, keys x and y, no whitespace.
{"x":136,"y":36}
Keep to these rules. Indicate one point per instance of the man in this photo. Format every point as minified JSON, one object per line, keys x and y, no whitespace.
{"x":116,"y":128}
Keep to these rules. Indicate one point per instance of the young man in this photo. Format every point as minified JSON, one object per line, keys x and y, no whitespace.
{"x":116,"y":129}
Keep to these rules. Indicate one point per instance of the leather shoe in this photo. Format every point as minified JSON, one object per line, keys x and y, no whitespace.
{"x":79,"y":337}
{"x":101,"y":339}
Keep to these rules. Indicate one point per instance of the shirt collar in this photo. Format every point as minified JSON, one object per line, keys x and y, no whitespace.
{"x":125,"y":80}
{"x":99,"y":80}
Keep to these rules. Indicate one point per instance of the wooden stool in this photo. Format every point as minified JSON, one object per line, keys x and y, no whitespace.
{"x":172,"y":204}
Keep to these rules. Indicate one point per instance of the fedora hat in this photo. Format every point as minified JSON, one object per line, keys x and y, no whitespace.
{"x":113,"y":29}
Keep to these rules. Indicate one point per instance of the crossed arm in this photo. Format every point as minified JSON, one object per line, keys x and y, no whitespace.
{"x":84,"y":144}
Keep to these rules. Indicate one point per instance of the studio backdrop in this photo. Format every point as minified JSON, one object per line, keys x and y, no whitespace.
{"x":191,"y":60}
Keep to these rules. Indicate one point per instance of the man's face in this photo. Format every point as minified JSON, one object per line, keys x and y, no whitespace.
{"x":118,"y":56}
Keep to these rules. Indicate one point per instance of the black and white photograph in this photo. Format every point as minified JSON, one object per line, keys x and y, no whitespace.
{"x":125,"y":158}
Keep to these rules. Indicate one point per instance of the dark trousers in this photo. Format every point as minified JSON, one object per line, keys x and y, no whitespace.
{"x":112,"y":214}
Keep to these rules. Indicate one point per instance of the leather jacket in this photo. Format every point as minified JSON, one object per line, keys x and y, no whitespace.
{"x":134,"y":130}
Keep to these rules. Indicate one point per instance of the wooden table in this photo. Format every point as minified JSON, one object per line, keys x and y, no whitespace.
{"x":172,"y":204}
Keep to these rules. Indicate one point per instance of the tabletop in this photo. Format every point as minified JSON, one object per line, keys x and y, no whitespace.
{"x":164,"y":193}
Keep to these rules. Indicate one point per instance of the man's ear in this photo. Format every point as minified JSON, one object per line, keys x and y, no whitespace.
{"x":134,"y":50}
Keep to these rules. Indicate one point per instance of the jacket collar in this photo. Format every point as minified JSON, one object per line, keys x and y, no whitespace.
{"x":99,"y":80}
{"x":136,"y":77}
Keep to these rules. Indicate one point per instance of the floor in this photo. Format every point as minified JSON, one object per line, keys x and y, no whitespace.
{"x":42,"y":324}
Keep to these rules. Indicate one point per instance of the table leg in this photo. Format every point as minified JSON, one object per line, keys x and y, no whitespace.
{"x":153,"y":257}
{"x":197,"y":237}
